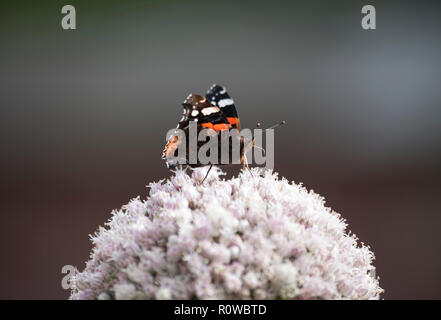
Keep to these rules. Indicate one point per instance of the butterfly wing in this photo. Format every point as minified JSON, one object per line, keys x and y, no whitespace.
{"x":198,"y":108}
{"x":212,"y":117}
{"x":219,"y":96}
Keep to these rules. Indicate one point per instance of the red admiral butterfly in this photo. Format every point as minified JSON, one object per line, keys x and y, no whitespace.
{"x":216,"y":111}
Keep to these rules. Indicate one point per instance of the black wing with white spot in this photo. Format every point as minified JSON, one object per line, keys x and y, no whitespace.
{"x":219,"y":96}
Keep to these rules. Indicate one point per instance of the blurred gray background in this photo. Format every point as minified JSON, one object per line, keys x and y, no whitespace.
{"x":84,"y":113}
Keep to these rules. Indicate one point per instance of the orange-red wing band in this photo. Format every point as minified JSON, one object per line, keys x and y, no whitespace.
{"x":216,"y":127}
{"x":233,"y":120}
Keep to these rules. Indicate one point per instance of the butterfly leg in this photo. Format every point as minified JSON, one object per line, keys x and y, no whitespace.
{"x":207,"y":174}
{"x":245,"y":163}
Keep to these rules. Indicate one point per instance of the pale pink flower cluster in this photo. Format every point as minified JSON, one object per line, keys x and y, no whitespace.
{"x":251,"y":237}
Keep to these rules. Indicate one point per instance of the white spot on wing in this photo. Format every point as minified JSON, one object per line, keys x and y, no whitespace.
{"x":209,"y":110}
{"x":194,"y":113}
{"x":225,"y":102}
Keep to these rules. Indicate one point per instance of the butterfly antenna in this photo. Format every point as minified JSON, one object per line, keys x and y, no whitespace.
{"x":281,"y":123}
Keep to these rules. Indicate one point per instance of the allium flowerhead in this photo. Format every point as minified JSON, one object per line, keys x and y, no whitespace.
{"x":251,"y":237}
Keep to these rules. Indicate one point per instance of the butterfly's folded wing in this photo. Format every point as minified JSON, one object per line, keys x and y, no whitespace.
{"x":219,"y":96}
